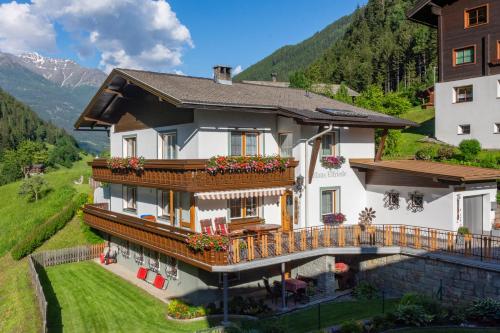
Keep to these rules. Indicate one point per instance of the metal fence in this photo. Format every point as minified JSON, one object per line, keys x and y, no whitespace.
{"x":38,"y":261}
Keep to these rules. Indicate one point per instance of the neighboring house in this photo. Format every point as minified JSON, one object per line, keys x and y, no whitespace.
{"x":428,"y":97}
{"x":36,"y":169}
{"x":178,"y":122}
{"x":468,"y":91}
{"x":316,"y":87}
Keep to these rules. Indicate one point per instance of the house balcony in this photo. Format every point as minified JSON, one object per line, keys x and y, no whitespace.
{"x":259,"y":250}
{"x":191,"y":176}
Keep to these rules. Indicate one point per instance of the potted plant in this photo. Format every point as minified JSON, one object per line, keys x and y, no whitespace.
{"x":333,"y":162}
{"x":334,"y":218}
{"x":462,"y":232}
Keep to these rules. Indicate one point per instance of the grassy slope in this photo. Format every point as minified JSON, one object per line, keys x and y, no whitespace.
{"x":18,"y":311}
{"x":87,"y":298}
{"x":17,"y":216}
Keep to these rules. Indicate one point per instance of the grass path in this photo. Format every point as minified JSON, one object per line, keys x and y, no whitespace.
{"x":86,"y":298}
{"x":18,"y":311}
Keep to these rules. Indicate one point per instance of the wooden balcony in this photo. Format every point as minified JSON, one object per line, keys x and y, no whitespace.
{"x":191,"y":176}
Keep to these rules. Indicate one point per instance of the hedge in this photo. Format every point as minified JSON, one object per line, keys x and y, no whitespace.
{"x":44,"y":231}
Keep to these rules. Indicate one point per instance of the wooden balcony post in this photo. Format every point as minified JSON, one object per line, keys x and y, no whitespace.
{"x":341,"y":231}
{"x":326,"y":236}
{"x":418,"y":243}
{"x":303,"y":240}
{"x":315,"y":238}
{"x":250,"y":248}
{"x":388,"y":236}
{"x":487,"y":246}
{"x":264,"y":246}
{"x":402,"y":236}
{"x":433,"y":234}
{"x":468,"y":244}
{"x":371,"y":233}
{"x":291,"y":241}
{"x":357,"y":235}
{"x":236,"y":250}
{"x":449,"y":245}
{"x":278,"y":243}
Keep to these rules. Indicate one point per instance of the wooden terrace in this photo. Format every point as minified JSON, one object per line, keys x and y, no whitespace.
{"x":271,"y":248}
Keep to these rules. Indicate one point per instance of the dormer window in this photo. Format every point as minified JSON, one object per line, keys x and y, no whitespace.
{"x":464,"y":56}
{"x":476,"y":16}
{"x":130,"y":146}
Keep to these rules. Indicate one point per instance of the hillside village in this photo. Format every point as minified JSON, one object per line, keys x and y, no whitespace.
{"x":347,"y":183}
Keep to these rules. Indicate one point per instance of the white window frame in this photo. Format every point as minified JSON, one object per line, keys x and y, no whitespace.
{"x":456,"y":95}
{"x":498,"y":88}
{"x":162,"y":212}
{"x":125,"y":145}
{"x":161,"y":151}
{"x":460,"y":130}
{"x":243,"y":208}
{"x":496,"y":128}
{"x":334,"y":148}
{"x":243,"y":135}
{"x":285,"y":151}
{"x":125,"y":198}
{"x":335,"y":202}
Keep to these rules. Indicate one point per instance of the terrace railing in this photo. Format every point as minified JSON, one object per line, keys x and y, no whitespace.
{"x":190,"y":176}
{"x":257,"y":247}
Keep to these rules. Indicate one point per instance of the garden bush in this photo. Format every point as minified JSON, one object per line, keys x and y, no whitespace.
{"x":412,"y":315}
{"x":365,"y":291}
{"x":351,"y":326}
{"x":426,"y":153}
{"x":179,"y":309}
{"x":430,"y":305}
{"x":445,"y":153}
{"x":485,"y":311}
{"x":470,"y":149}
{"x":44,"y":231}
{"x":247,"y":306}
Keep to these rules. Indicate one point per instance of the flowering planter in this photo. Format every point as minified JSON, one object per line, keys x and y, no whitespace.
{"x":334,"y":219}
{"x":203,"y":242}
{"x":333,"y":162}
{"x":126,"y":164}
{"x":246,"y":164}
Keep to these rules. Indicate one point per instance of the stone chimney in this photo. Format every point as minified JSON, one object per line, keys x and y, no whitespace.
{"x":274,"y":77}
{"x":222,"y":74}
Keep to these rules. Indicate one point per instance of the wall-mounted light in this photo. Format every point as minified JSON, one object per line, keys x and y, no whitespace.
{"x":299,"y":183}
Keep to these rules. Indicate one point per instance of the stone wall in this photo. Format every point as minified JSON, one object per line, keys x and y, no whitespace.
{"x":397,"y":274}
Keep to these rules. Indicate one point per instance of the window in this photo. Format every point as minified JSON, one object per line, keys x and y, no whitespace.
{"x":329,"y":201}
{"x":243,"y":208}
{"x":130,"y":147}
{"x":463,"y":129}
{"x":498,"y":89}
{"x":391,"y":200}
{"x":496,"y":128}
{"x":184,"y":208}
{"x":415,"y":202}
{"x":130,"y":198}
{"x":463,"y":56}
{"x":168,"y":145}
{"x":476,"y":16}
{"x":164,"y":204}
{"x":328,"y":144}
{"x":170,"y":266}
{"x":244,"y":144}
{"x":286,"y":144}
{"x":464,"y":94}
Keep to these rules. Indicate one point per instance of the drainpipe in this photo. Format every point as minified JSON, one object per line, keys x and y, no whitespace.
{"x":306,"y":167}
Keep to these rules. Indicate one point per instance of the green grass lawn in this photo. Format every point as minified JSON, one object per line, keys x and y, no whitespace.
{"x":84,"y":297}
{"x":450,"y":330}
{"x":17,"y":216}
{"x":330,"y":314}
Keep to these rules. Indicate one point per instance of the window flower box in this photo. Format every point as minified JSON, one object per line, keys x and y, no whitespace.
{"x":126,"y":164}
{"x":333,"y":162}
{"x":246,"y":164}
{"x":334,"y":219}
{"x":203,"y":242}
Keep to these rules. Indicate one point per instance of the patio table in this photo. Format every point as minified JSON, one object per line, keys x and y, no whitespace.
{"x":262,"y":228}
{"x":294,"y":285}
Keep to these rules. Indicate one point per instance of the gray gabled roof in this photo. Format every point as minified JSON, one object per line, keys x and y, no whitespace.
{"x":195,"y":92}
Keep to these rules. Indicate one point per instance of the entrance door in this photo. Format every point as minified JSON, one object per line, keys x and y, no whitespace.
{"x":473,"y":213}
{"x":287,"y":211}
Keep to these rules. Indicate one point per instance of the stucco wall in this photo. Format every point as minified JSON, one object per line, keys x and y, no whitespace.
{"x":482,"y":113}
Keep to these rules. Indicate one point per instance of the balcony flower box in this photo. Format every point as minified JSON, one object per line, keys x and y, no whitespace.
{"x":203,"y":242}
{"x":126,"y":164}
{"x":333,"y":162}
{"x":334,"y":219}
{"x":246,"y":164}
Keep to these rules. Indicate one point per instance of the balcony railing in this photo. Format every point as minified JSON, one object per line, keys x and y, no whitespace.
{"x":191,"y":176}
{"x":172,"y":241}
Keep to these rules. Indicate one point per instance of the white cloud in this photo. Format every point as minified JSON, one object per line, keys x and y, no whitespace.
{"x":21,"y":30}
{"x":237,"y":70}
{"x":143,"y":34}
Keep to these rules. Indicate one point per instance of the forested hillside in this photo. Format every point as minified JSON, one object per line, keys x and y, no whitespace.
{"x":292,"y":58}
{"x":382,"y":47}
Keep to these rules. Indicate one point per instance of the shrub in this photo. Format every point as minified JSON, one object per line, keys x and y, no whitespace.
{"x":430,"y":305}
{"x":351,"y":326}
{"x":445,"y":153}
{"x":365,"y":291}
{"x":426,"y":153}
{"x":33,"y":188}
{"x":179,"y":309}
{"x":490,"y":161}
{"x":44,"y":231}
{"x":247,"y":306}
{"x":486,"y":311}
{"x":412,"y":315}
{"x":470,"y":149}
{"x":463,"y":231}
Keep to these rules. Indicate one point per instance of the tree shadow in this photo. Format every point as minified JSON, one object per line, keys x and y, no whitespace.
{"x":426,"y":128}
{"x":54,"y":319}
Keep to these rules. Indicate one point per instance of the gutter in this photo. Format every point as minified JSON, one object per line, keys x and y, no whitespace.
{"x":306,"y":171}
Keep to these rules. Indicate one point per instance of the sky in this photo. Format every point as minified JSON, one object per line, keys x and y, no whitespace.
{"x":178,"y":36}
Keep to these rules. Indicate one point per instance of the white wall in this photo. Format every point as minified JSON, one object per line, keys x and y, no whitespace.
{"x":482,"y":113}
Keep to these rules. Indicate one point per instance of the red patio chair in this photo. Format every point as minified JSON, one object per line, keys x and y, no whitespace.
{"x":221,"y":226}
{"x":142,"y":273}
{"x":206,"y":227}
{"x":159,"y":281}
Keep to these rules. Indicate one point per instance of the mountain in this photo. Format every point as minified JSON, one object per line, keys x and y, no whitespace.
{"x":382,"y":47}
{"x":19,"y":123}
{"x":292,"y":58}
{"x":57,"y":90}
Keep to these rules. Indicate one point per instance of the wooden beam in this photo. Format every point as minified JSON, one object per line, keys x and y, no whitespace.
{"x":114,"y":92}
{"x":98,"y":121}
{"x":314,"y":157}
{"x":381,"y":145}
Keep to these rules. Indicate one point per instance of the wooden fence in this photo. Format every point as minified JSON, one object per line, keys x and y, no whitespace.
{"x":34,"y":267}
{"x":38,"y":261}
